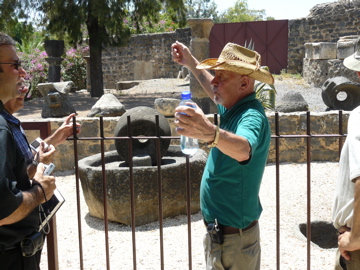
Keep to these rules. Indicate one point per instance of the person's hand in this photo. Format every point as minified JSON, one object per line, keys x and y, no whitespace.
{"x":193,"y":123}
{"x":181,"y":54}
{"x":64,"y":131}
{"x":347,"y":243}
{"x":46,"y":181}
{"x":45,"y":155}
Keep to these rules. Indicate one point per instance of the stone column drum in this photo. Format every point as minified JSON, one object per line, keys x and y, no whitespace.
{"x":54,"y":49}
{"x":199,"y":46}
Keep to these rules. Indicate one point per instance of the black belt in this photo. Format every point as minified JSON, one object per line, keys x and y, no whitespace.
{"x":233,"y":230}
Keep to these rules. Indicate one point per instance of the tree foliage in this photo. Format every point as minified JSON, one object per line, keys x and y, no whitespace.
{"x":104,"y":21}
{"x":240,"y":12}
{"x":201,"y":9}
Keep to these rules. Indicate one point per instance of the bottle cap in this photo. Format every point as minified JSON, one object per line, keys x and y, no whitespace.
{"x":185,"y":95}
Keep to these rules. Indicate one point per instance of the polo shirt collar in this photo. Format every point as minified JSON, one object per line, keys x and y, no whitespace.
{"x":234,"y":108}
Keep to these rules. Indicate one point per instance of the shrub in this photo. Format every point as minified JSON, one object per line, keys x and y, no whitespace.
{"x":36,"y":68}
{"x":73,"y":68}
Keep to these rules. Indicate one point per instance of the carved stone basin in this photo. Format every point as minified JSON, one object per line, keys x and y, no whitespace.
{"x":173,"y":173}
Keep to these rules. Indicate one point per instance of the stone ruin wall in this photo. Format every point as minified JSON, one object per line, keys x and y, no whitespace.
{"x":146,"y":57}
{"x":325,"y":23}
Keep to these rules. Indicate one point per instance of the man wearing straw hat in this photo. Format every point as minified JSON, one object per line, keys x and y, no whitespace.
{"x":229,"y":192}
{"x":346,"y":208}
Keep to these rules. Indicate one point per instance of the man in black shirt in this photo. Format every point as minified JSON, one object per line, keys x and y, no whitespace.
{"x":19,"y":195}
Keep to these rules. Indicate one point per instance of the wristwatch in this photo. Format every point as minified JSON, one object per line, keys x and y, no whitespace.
{"x":216,"y":139}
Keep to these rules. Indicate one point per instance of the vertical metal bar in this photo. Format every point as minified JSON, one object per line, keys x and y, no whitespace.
{"x":132,"y":192}
{"x":188,"y":203}
{"x":308,"y":166}
{"x":76,"y":158}
{"x":104,"y":183}
{"x":277,"y":164}
{"x":341,"y":131}
{"x":51,"y":238}
{"x":159,"y":177}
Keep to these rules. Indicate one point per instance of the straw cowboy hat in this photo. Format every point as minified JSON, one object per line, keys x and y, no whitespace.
{"x":240,"y":60}
{"x":353,"y":61}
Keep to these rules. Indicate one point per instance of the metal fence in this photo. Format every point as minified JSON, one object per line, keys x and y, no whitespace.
{"x":52,"y":238}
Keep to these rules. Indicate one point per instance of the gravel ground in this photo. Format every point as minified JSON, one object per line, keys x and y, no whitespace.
{"x":292,"y":213}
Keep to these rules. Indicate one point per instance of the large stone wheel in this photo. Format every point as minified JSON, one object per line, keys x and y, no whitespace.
{"x":347,"y":97}
{"x":340,"y":93}
{"x":142,"y":124}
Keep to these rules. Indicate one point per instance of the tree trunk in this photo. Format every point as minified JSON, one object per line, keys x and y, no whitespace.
{"x":95,"y":44}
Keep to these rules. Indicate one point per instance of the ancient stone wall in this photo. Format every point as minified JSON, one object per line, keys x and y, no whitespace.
{"x":147,"y":56}
{"x":291,"y":150}
{"x":325,"y":23}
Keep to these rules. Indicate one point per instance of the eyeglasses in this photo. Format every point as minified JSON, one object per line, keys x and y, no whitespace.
{"x":17,"y":64}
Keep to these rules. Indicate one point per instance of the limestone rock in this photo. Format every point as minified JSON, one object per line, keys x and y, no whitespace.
{"x":166,"y":106}
{"x":292,"y":102}
{"x":108,"y":105}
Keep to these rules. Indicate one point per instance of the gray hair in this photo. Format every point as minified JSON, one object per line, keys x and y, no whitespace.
{"x":6,"y":39}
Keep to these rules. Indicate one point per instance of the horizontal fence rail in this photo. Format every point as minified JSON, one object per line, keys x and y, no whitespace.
{"x":52,"y":255}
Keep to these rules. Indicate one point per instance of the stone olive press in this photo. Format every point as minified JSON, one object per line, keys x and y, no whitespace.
{"x":145,"y":173}
{"x":339,"y":93}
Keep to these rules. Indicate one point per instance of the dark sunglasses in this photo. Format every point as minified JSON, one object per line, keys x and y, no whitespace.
{"x":17,"y":64}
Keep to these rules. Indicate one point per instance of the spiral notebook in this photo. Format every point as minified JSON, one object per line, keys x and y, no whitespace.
{"x":50,"y":208}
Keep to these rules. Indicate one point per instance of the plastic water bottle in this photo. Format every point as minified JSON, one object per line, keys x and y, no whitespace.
{"x":189,"y":146}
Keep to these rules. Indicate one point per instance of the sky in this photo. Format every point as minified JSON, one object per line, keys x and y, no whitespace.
{"x":279,"y":9}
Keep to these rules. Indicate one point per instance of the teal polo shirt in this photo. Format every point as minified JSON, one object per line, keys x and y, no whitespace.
{"x":229,"y":189}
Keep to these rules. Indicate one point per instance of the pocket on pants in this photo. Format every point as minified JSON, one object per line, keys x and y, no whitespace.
{"x":252,"y":250}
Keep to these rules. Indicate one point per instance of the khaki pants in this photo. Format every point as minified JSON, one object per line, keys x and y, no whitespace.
{"x":353,"y":264}
{"x":236,"y":253}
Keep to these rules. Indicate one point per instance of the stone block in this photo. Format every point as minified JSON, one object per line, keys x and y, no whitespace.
{"x":56,"y":102}
{"x":320,"y":50}
{"x":345,"y":47}
{"x":123,"y":85}
{"x":309,"y":50}
{"x":143,"y":70}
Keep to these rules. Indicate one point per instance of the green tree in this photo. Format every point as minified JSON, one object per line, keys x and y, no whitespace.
{"x":241,"y":13}
{"x":201,"y":9}
{"x":165,"y":24}
{"x":104,"y":21}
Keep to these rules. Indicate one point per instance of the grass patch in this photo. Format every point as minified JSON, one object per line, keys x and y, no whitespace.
{"x":284,"y":75}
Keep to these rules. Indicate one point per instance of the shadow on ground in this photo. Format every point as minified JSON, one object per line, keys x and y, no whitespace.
{"x":323,"y":234}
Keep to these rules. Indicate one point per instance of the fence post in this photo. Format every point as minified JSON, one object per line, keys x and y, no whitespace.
{"x":51,"y":239}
